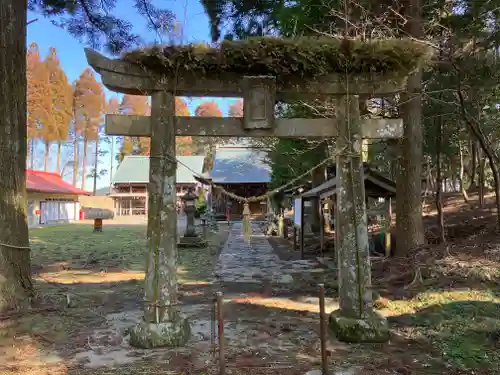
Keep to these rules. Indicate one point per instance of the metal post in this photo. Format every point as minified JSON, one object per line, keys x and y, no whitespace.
{"x":220,"y":323}
{"x":322,"y":329}
{"x":302,"y":227}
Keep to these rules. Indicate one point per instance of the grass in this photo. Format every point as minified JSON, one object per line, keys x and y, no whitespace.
{"x":462,"y":325}
{"x":74,"y":250}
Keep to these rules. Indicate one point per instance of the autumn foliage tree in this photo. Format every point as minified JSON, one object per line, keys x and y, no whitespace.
{"x":38,"y":96}
{"x":184,"y":144}
{"x":112,"y":108}
{"x":61,"y":104}
{"x":134,"y":105}
{"x":206,"y":145}
{"x":89,"y":104}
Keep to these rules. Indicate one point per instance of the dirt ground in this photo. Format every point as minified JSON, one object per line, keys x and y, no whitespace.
{"x":443,"y":304}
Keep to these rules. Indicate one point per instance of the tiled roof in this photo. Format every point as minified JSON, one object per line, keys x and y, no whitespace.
{"x":50,"y":182}
{"x":236,"y":165}
{"x":135,"y":169}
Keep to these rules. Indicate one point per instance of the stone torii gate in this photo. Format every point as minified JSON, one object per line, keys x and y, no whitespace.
{"x":163,"y":324}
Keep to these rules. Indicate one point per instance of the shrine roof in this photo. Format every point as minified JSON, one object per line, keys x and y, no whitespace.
{"x":305,"y":57}
{"x":50,"y":182}
{"x":376,"y":185}
{"x":135,"y":169}
{"x":240,"y":165}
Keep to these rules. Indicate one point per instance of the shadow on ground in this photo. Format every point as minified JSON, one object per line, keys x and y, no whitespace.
{"x":465,"y":333}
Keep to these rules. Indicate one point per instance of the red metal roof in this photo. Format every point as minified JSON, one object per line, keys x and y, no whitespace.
{"x":50,"y":182}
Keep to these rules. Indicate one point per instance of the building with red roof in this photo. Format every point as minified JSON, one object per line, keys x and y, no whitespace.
{"x":51,"y":199}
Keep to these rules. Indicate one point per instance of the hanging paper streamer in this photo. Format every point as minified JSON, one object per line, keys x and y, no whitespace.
{"x":246,"y":222}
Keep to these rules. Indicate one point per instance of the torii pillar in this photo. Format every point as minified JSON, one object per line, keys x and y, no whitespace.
{"x":163,"y":324}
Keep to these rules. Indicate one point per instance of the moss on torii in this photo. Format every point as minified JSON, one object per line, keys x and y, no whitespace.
{"x":304,"y":57}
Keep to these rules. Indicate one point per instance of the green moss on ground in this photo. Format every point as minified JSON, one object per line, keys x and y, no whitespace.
{"x":284,"y":58}
{"x":463,"y":325}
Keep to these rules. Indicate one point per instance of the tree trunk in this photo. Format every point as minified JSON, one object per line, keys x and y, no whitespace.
{"x":96,"y":163}
{"x":84,"y":162}
{"x":461,"y":174}
{"x":318,"y":177}
{"x":482,"y":163}
{"x":59,"y":156}
{"x":473,"y":170}
{"x":76,"y":158}
{"x":46,"y":156}
{"x":409,"y":224}
{"x":16,"y":288}
{"x":487,"y":149}
{"x":439,"y":182}
{"x":496,"y":179}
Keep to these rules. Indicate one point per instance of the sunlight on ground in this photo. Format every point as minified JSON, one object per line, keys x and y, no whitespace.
{"x":91,"y":277}
{"x":25,"y":352}
{"x":284,"y":303}
{"x":441,"y":298}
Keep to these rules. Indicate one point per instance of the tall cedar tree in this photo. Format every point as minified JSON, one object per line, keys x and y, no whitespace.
{"x":16,"y":288}
{"x":38,"y":96}
{"x":90,"y":105}
{"x":47,"y":124}
{"x":76,"y":132}
{"x":112,"y":108}
{"x":206,"y":145}
{"x":61,"y":94}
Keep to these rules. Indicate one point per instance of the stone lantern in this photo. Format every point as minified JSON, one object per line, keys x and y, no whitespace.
{"x":190,"y":238}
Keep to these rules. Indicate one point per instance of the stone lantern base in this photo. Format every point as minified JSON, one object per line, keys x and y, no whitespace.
{"x":191,"y":242}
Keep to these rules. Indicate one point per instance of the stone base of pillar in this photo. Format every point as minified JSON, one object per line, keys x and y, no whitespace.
{"x":165,"y":334}
{"x":370,"y":329}
{"x":191,"y":242}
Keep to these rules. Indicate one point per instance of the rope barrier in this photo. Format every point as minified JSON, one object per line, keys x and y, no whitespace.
{"x":270,"y":194}
{"x":15,"y":246}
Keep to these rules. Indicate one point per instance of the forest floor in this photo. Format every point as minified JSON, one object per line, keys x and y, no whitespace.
{"x":442,"y":302}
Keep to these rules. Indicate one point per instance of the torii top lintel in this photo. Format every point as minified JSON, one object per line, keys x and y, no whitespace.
{"x":129,"y":78}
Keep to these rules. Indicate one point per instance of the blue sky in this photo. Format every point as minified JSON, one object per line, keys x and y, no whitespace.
{"x":70,"y":51}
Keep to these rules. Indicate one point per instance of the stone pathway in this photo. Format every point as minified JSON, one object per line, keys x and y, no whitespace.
{"x":255,"y":261}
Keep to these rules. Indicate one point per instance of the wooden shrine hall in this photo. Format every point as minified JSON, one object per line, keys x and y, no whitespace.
{"x":379,"y":193}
